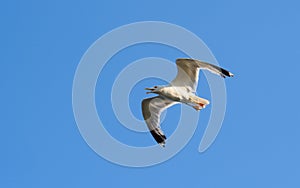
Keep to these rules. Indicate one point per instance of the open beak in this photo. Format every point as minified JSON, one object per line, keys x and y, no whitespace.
{"x":150,"y":90}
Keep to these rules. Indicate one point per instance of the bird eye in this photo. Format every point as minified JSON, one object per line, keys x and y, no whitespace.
{"x":155,"y":86}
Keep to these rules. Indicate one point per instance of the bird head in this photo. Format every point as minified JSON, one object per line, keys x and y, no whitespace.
{"x":155,"y":89}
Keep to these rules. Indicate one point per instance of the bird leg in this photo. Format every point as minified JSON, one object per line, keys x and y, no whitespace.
{"x":196,"y":107}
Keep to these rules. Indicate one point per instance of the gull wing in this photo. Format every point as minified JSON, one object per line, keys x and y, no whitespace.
{"x":152,"y":108}
{"x":188,"y":72}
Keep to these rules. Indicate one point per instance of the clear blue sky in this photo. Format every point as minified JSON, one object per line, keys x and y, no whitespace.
{"x":42,"y":43}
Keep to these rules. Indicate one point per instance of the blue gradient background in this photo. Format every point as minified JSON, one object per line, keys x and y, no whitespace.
{"x":42,"y":43}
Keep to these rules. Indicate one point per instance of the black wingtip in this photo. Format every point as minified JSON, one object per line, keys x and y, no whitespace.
{"x":226,"y":73}
{"x":159,"y":138}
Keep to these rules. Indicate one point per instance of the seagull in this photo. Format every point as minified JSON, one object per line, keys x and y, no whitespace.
{"x":181,"y":90}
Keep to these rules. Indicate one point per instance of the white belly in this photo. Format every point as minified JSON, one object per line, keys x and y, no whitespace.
{"x":180,"y":94}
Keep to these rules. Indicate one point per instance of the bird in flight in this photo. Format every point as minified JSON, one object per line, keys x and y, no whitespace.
{"x":181,"y":90}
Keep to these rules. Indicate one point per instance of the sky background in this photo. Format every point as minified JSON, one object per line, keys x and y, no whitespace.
{"x":42,"y":43}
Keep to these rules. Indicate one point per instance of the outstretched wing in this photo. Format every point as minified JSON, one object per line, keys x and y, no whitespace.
{"x":188,"y":72}
{"x":152,"y":108}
